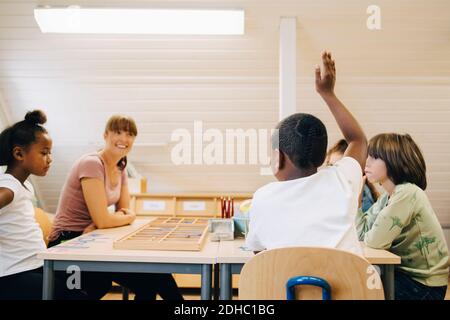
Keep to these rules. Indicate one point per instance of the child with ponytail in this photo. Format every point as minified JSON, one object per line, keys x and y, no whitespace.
{"x":25,"y":149}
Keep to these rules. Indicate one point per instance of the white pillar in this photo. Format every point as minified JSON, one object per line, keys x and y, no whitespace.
{"x":288,"y":66}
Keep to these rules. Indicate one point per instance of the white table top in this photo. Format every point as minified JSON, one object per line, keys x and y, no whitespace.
{"x":98,"y":246}
{"x":233,"y":252}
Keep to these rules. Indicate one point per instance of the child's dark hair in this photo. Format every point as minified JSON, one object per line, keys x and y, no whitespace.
{"x":403,"y":158}
{"x":21,"y":134}
{"x":303,"y":138}
{"x":122,"y":123}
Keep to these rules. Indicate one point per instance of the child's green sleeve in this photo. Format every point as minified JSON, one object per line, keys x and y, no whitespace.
{"x":390,"y":220}
{"x":365,"y":220}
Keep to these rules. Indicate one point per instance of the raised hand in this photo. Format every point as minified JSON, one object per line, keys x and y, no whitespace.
{"x":326,"y":79}
{"x":129,"y":213}
{"x":353,"y":134}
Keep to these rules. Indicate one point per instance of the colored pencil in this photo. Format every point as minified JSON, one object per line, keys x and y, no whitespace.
{"x":222,"y":204}
{"x":232,"y":207}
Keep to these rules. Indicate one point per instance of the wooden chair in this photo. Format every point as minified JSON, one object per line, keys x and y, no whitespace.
{"x":350,"y":276}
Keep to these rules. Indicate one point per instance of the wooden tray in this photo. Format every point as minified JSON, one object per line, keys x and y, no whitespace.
{"x":185,"y":221}
{"x":181,"y":234}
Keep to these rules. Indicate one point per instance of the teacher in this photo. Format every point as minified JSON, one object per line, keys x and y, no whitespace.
{"x":97,"y":181}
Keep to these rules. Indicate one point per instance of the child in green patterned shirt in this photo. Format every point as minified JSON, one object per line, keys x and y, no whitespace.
{"x":402,"y":220}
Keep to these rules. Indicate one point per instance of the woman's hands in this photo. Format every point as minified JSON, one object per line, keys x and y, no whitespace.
{"x":121,"y":212}
{"x":127,"y":212}
{"x":95,"y":197}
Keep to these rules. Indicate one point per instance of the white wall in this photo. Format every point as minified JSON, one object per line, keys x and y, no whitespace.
{"x":395,"y":79}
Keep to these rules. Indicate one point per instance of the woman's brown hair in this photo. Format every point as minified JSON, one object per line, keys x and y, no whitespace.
{"x":121,"y":123}
{"x":403,"y":158}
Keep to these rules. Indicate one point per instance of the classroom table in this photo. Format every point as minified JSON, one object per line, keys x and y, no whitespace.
{"x":94,"y":252}
{"x":231,"y":258}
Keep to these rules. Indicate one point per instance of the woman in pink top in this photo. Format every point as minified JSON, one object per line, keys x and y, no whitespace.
{"x":95,"y":182}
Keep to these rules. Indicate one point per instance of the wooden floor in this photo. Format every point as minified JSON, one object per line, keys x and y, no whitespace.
{"x":188,"y":294}
{"x":195,"y":295}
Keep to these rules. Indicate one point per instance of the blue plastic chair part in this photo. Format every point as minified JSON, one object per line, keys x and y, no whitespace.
{"x":310,"y":281}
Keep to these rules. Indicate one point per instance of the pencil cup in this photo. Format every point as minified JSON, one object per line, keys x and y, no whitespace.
{"x":241,"y":225}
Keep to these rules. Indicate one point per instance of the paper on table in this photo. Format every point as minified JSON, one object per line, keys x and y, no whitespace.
{"x":82,"y":242}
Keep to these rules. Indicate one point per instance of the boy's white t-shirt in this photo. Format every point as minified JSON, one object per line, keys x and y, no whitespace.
{"x":20,"y":235}
{"x":315,"y":211}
